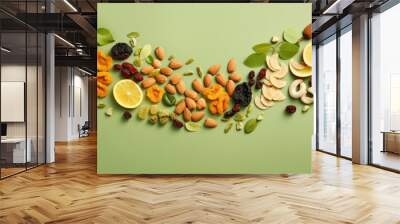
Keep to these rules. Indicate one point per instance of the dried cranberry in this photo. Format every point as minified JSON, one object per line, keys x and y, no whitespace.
{"x":251,"y":82}
{"x":290,"y":109}
{"x":133,"y":70}
{"x":261,"y":73}
{"x":126,"y":65}
{"x":127,"y":115}
{"x":117,"y":67}
{"x":259,"y":85}
{"x":121,"y":51}
{"x":125,"y":73}
{"x":236,"y":107}
{"x":138,"y":77}
{"x":251,"y":75}
{"x":177,"y":123}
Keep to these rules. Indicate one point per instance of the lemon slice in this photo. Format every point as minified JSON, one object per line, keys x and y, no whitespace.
{"x":307,"y":55}
{"x":127,"y":94}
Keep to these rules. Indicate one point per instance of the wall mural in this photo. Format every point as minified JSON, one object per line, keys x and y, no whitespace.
{"x":155,"y":88}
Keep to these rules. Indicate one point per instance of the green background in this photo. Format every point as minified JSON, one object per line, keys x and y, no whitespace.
{"x":209,"y":33}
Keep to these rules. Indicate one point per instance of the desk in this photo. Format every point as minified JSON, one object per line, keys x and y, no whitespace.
{"x":391,"y":141}
{"x":18,"y":149}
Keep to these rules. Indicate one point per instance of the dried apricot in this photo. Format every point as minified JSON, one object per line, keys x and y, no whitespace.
{"x":155,"y":93}
{"x":104,"y":77}
{"x":213,"y":92}
{"x":101,"y":89}
{"x":104,"y":62}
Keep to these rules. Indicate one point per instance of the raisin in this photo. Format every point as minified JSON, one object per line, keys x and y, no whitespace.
{"x":125,"y":73}
{"x":261,"y":74}
{"x":117,"y":67}
{"x":121,"y":51}
{"x":251,"y":75}
{"x":290,"y":109}
{"x":259,"y":85}
{"x":251,"y":82}
{"x":177,"y":123}
{"x":229,"y":114}
{"x":127,"y":115}
{"x":236,"y":107}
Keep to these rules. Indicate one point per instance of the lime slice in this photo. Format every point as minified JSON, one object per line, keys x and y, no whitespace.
{"x":127,"y":94}
{"x":291,"y":36}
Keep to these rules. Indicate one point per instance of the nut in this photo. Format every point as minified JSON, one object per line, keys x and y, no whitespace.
{"x":197,"y":116}
{"x":175,"y":78}
{"x":190,"y":103}
{"x":230,"y":87}
{"x":160,"y":53}
{"x":236,"y":77}
{"x":148,"y":82}
{"x":147,"y":70}
{"x":187,"y":115}
{"x":170,"y":89}
{"x":201,"y":104}
{"x":307,"y":32}
{"x":180,"y":107}
{"x":180,"y":87}
{"x":175,"y":64}
{"x":207,"y":80}
{"x":161,"y":79}
{"x":274,"y":39}
{"x":156,"y":63}
{"x":231,"y":65}
{"x":210,"y":123}
{"x":197,"y":85}
{"x":190,"y":93}
{"x":220,"y":79}
{"x":213,"y":70}
{"x":166,"y":71}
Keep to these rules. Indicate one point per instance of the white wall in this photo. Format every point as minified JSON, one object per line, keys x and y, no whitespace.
{"x":71,"y":102}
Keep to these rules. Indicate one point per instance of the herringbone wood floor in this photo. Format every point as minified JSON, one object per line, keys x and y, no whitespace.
{"x":69,"y":191}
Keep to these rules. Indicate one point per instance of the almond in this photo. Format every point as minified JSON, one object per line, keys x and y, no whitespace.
{"x":170,"y":89}
{"x":207,"y":80}
{"x":197,"y":86}
{"x":156,"y":63}
{"x":196,"y":116}
{"x":147,"y":70}
{"x":230,"y":87}
{"x":160,"y":53}
{"x":190,"y":93}
{"x":166,"y":71}
{"x":187,"y":115}
{"x":161,"y":79}
{"x":220,"y":79}
{"x":236,"y":77}
{"x":148,"y":82}
{"x":180,"y":87}
{"x":307,"y":32}
{"x":231,"y":65}
{"x":190,"y":103}
{"x":213,"y":70}
{"x":201,"y":104}
{"x":180,"y":107}
{"x":175,"y":78}
{"x":175,"y":64}
{"x":210,"y":123}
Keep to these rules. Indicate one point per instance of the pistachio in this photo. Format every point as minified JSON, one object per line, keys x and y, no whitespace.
{"x":213,"y":70}
{"x":199,"y":72}
{"x":231,"y":65}
{"x":197,"y":116}
{"x":228,"y":127}
{"x":160,"y":53}
{"x":180,"y":87}
{"x":188,"y":73}
{"x":187,"y":115}
{"x":101,"y":105}
{"x":148,"y":82}
{"x":169,"y":100}
{"x":197,"y":85}
{"x":189,"y":61}
{"x":170,"y":89}
{"x":210,"y":123}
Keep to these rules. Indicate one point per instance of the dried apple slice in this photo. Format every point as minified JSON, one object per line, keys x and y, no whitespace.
{"x":273,"y":62}
{"x":281,"y":73}
{"x":277,"y":83}
{"x":265,"y":102}
{"x":301,"y":73}
{"x":266,"y":92}
{"x":277,"y":95}
{"x":257,"y":102}
{"x":267,"y":82}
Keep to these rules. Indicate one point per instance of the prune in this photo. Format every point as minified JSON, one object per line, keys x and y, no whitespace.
{"x":242,"y":94}
{"x":236,"y":108}
{"x":121,"y":51}
{"x":127,"y":115}
{"x":290,"y":109}
{"x":117,"y":67}
{"x":177,"y":123}
{"x":259,"y":85}
{"x":251,"y":75}
{"x":251,"y":82}
{"x":261,"y":74}
{"x":229,"y":114}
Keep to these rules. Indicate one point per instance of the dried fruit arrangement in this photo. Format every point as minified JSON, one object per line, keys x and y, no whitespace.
{"x":161,"y":81}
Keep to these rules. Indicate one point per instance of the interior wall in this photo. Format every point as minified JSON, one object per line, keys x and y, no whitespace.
{"x":71,"y":102}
